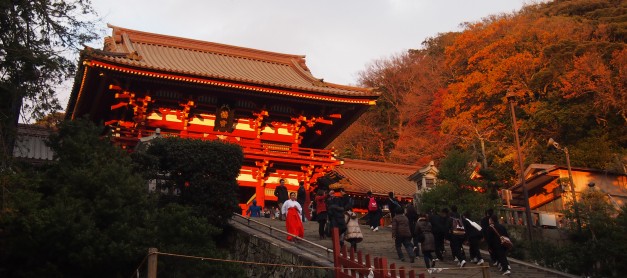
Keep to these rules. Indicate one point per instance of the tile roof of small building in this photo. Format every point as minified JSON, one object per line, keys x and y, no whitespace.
{"x":30,"y":144}
{"x":213,"y":60}
{"x":378,"y":177}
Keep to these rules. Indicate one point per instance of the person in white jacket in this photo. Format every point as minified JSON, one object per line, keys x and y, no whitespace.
{"x":293,"y":217}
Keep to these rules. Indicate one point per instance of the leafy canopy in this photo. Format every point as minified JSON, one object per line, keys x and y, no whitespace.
{"x":37,"y":37}
{"x":456,"y":188}
{"x":88,"y":214}
{"x":203,"y":172}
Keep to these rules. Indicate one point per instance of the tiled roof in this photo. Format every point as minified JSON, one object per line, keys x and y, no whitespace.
{"x":30,"y":143}
{"x":196,"y":58}
{"x":378,"y":177}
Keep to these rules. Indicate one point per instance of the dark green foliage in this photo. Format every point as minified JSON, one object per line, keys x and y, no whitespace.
{"x":598,"y":251}
{"x":445,"y":195}
{"x":36,"y":39}
{"x":570,"y":258}
{"x":89,"y":215}
{"x":456,"y":168}
{"x":456,"y":188}
{"x":180,"y":232}
{"x":618,"y":241}
{"x":594,"y":258}
{"x":204,"y":172}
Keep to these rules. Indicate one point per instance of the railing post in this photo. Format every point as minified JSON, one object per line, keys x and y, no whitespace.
{"x":485,"y":271}
{"x":335,"y":236}
{"x":152,"y":262}
{"x":384,"y":267}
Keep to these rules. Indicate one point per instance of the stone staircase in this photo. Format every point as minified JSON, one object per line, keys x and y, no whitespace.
{"x":381,"y":244}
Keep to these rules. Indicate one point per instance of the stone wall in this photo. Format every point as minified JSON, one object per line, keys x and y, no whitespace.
{"x":555,"y":236}
{"x":247,"y":244}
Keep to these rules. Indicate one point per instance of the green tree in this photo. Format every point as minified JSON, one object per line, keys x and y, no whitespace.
{"x":617,"y":265}
{"x":203,"y":172}
{"x":599,"y":248}
{"x":88,"y":215}
{"x":36,"y":39}
{"x":456,"y":188}
{"x":180,"y":231}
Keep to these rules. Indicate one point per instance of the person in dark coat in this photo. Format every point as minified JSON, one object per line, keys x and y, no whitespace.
{"x":393,"y":204}
{"x":321,"y":211}
{"x":335,"y":211}
{"x":402,"y":235}
{"x":494,"y":232}
{"x":456,"y":239}
{"x":301,"y":197}
{"x":427,"y":240}
{"x":412,"y":216}
{"x":438,"y":224}
{"x":347,"y":200}
{"x":281,"y":194}
{"x":485,"y":226}
{"x":474,"y":236}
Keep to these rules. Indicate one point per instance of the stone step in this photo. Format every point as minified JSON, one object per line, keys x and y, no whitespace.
{"x":381,"y":244}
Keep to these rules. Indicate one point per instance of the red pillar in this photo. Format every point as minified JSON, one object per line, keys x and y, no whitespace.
{"x":260,"y":192}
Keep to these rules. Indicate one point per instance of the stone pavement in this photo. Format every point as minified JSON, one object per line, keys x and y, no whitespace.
{"x":381,"y":244}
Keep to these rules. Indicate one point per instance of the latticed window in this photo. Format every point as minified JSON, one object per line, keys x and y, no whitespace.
{"x":277,"y":147}
{"x":429,"y":182}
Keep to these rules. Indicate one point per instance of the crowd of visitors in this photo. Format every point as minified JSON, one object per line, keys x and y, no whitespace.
{"x":419,"y":233}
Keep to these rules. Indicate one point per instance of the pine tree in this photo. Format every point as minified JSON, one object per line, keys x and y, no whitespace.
{"x":36,"y":39}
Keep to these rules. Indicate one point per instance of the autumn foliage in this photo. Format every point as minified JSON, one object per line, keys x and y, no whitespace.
{"x":565,"y":61}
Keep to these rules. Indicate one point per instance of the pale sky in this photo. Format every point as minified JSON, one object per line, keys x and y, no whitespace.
{"x":339,"y":37}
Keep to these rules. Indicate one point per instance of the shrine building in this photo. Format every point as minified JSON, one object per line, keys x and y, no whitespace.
{"x":269,"y":103}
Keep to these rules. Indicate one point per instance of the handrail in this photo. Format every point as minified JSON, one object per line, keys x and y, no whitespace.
{"x":329,"y":251}
{"x":261,"y":147}
{"x":276,"y":148}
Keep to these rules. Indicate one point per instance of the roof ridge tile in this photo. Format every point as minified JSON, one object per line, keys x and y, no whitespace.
{"x":174,"y":55}
{"x":213,"y":47}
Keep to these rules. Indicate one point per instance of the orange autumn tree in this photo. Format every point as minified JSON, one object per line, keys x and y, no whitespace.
{"x":490,"y":58}
{"x":400,"y":129}
{"x":592,"y":77}
{"x":564,"y":60}
{"x":538,"y":58}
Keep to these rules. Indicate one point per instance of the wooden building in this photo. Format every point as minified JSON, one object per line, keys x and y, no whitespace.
{"x":407,"y":182}
{"x":268,"y":103}
{"x":548,"y":186}
{"x":30,"y":144}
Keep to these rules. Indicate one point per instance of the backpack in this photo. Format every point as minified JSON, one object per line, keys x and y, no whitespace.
{"x":458,"y":227}
{"x":372,"y":204}
{"x":395,"y":205}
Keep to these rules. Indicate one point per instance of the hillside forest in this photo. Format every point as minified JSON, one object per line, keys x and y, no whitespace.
{"x":565,"y":63}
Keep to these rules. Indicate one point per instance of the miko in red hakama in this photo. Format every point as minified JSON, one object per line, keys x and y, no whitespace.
{"x":294,"y":224}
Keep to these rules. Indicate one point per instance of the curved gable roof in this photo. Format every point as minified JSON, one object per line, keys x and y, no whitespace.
{"x":213,"y":60}
{"x":378,"y":177}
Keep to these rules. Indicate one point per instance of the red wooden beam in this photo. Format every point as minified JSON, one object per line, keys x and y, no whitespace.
{"x":335,"y":116}
{"x":114,"y":87}
{"x":119,"y":105}
{"x":323,"y":121}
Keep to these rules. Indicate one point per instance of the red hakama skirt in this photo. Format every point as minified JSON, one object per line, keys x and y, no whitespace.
{"x":294,"y":224}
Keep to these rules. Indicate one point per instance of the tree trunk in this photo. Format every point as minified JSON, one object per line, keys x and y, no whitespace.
{"x":8,"y":127}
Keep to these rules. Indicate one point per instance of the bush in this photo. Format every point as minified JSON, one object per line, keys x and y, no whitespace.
{"x":203,"y":172}
{"x":88,"y":214}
